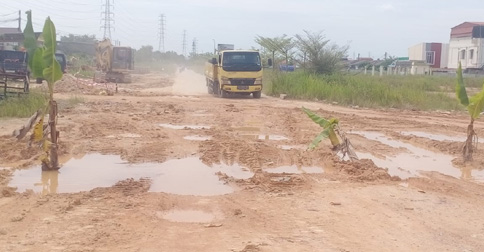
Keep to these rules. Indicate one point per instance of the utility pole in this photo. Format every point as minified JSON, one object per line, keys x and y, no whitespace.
{"x":19,"y":21}
{"x":107,"y":17}
{"x":161,"y":34}
{"x":184,"y":45}
{"x":194,"y":46}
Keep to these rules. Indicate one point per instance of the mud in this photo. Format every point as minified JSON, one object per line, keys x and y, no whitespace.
{"x":242,"y":179}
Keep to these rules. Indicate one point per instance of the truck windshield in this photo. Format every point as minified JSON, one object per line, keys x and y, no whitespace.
{"x":241,"y":61}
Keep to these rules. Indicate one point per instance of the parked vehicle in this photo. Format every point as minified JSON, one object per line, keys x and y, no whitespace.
{"x":61,"y":58}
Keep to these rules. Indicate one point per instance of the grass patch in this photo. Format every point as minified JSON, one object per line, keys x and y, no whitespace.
{"x":70,"y":103}
{"x":403,"y":92}
{"x":23,"y":106}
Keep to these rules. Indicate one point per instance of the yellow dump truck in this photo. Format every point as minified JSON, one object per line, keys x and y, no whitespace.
{"x":234,"y":71}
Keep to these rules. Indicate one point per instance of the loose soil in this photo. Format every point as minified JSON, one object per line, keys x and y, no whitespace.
{"x":157,"y":119}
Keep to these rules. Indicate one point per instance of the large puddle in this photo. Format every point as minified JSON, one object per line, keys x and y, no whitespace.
{"x":413,"y":159}
{"x":437,"y":137}
{"x":188,"y":176}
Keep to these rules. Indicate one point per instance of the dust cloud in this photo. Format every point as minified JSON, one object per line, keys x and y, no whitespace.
{"x":188,"y":82}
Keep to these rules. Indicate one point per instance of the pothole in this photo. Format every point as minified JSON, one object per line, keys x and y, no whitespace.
{"x":197,"y":138}
{"x":188,"y":176}
{"x":414,"y":159}
{"x":125,"y":135}
{"x":437,"y":137}
{"x":272,"y":137}
{"x":292,"y":147}
{"x":253,"y":133}
{"x":180,"y":127}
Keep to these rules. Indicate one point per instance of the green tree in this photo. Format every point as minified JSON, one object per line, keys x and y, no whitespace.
{"x":282,"y":45}
{"x":79,"y":38}
{"x":318,"y":55}
{"x":144,"y":54}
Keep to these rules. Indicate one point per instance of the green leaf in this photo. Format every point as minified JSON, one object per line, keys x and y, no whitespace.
{"x":52,"y":74}
{"x":317,"y":119}
{"x":476,"y":104}
{"x":30,"y":42}
{"x":319,"y":138}
{"x":37,"y":67}
{"x":52,"y":71}
{"x":460,"y":89}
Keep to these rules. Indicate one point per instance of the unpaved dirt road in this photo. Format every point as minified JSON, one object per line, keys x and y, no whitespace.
{"x":162,"y":166}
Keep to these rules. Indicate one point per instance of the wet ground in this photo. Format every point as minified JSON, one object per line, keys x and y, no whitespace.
{"x":162,"y":164}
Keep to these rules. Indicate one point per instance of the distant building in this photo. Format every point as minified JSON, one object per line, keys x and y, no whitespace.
{"x":434,"y":54}
{"x":6,"y":41}
{"x":413,"y":67}
{"x":467,"y":45}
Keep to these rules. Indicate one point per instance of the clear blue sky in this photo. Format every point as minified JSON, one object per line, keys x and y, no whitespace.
{"x":370,"y":27}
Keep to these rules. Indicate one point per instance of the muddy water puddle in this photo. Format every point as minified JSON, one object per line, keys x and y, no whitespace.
{"x":181,"y":127}
{"x":197,"y":138}
{"x":253,"y":133}
{"x":411,"y":160}
{"x":188,"y":176}
{"x":292,"y":147}
{"x":187,"y":216}
{"x":437,"y":137}
{"x":125,"y":135}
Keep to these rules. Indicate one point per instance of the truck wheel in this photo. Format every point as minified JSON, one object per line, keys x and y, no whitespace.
{"x":256,"y":95}
{"x":209,"y":87}
{"x":224,"y":94}
{"x":215,"y":88}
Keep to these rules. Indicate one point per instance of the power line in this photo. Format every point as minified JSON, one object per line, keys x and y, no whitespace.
{"x":108,"y":18}
{"x":161,"y":44}
{"x":8,"y":14}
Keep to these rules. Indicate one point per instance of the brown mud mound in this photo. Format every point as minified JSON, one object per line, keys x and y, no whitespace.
{"x":363,"y":170}
{"x":127,"y":187}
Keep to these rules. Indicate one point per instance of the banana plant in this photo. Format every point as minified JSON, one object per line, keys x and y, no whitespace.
{"x":475,"y":106}
{"x":332,"y":131}
{"x":43,"y":64}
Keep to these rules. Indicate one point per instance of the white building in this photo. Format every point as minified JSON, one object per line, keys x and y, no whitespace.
{"x":434,"y":54}
{"x":467,"y":45}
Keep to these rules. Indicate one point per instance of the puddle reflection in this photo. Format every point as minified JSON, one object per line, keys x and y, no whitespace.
{"x":188,"y":176}
{"x":408,"y":164}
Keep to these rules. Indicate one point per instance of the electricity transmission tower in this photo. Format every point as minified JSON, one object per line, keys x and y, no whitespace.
{"x":194,"y":46}
{"x":184,"y":45}
{"x":161,"y":34}
{"x":108,"y":18}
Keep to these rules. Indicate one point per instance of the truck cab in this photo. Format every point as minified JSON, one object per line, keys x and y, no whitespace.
{"x":235,"y":71}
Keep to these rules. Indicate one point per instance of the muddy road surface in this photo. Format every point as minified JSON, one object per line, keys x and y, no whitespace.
{"x":161,"y":165}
